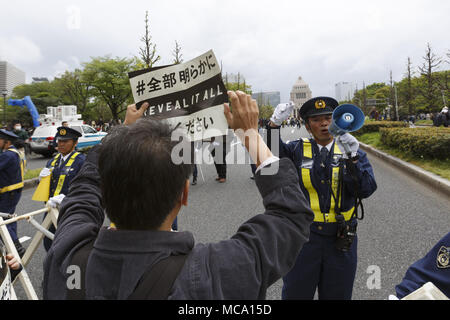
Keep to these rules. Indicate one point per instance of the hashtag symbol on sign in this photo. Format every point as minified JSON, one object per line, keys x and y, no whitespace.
{"x":140,"y":88}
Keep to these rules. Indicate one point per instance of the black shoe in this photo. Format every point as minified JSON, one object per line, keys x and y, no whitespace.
{"x":194,"y":181}
{"x":252,"y":177}
{"x":19,"y":248}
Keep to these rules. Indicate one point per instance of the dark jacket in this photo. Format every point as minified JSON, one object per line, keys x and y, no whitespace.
{"x":260,"y":253}
{"x":10,"y":174}
{"x":22,"y":134}
{"x":433,"y":267}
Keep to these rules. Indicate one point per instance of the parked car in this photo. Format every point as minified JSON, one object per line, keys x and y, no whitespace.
{"x":42,"y":141}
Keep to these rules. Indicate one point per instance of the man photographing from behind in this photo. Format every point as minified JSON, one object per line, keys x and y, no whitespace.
{"x":142,"y":191}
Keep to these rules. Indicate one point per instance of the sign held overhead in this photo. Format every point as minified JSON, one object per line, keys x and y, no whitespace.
{"x":189,"y":95}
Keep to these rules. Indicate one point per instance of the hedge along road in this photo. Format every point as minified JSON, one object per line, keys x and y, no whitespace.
{"x":404,"y":218}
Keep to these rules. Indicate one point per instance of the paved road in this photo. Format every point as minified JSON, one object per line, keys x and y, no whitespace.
{"x":403,"y":220}
{"x":35,"y":161}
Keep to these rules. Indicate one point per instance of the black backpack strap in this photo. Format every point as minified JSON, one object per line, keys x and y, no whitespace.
{"x":155,"y":284}
{"x":80,"y":259}
{"x":158,"y":280}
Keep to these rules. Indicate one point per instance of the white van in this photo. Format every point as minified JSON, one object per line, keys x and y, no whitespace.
{"x":42,"y":140}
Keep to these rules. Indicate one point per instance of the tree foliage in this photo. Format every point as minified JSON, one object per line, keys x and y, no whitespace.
{"x":75,"y":89}
{"x":425,"y":90}
{"x":431,"y":62}
{"x":109,"y":80}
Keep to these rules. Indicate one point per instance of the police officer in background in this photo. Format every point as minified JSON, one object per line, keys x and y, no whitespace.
{"x":328,"y":261}
{"x":63,"y":168}
{"x":12,"y":166}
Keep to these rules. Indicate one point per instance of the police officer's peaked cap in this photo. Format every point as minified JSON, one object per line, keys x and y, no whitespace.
{"x":66,"y":133}
{"x":8,"y":135}
{"x":318,"y":106}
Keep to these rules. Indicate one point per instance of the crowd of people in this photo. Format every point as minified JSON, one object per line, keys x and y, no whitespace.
{"x":438,"y":119}
{"x":307,"y":234}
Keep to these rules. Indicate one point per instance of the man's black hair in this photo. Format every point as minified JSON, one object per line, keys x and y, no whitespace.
{"x":19,"y":143}
{"x":140,"y":184}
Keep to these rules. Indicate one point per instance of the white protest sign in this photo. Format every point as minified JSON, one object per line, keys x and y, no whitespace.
{"x":189,"y":95}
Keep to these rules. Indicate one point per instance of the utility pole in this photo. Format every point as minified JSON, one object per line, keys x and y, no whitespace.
{"x":396,"y":103}
{"x":443,"y":98}
{"x":4,"y":93}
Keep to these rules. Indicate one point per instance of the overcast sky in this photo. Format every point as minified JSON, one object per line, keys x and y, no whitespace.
{"x":270,"y":42}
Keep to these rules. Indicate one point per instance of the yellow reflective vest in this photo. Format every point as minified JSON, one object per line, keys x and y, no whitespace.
{"x":62,"y":177}
{"x":306,"y":178}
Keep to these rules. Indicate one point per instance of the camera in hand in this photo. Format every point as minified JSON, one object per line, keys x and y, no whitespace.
{"x":345,"y":234}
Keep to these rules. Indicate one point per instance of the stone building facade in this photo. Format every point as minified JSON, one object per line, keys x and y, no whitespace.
{"x":300,"y":93}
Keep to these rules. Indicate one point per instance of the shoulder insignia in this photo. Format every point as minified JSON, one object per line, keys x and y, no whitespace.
{"x":443,"y":258}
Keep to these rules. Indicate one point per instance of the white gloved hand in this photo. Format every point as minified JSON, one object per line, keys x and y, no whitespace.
{"x":351,"y":142}
{"x":282,"y":112}
{"x":45,"y":172}
{"x":56,"y":200}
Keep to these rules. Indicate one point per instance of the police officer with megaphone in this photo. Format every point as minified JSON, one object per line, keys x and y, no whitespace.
{"x":334,"y":176}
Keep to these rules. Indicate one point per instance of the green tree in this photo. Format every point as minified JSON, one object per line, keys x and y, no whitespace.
{"x":240,"y":84}
{"x":76,"y":90}
{"x":409,"y":93}
{"x":43,"y":95}
{"x":265,"y":111}
{"x":236,"y":86}
{"x":109,"y":80}
{"x":443,"y":84}
{"x":430,"y":90}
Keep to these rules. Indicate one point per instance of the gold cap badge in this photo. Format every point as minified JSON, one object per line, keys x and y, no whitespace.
{"x":62,"y":132}
{"x":320,"y":104}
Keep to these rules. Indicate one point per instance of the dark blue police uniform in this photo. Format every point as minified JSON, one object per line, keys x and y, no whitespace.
{"x":320,"y":264}
{"x":12,"y":166}
{"x":434,"y":267}
{"x":63,"y":171}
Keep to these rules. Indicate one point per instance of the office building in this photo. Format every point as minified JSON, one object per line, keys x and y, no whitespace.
{"x":10,"y":77}
{"x":267,"y":98}
{"x":344,"y":91}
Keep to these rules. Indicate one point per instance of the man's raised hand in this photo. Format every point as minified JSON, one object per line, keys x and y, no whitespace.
{"x":245,"y":111}
{"x":243,"y":119}
{"x":133,"y":114}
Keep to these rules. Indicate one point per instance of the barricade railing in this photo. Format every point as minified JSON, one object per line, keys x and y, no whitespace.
{"x":42,"y":231}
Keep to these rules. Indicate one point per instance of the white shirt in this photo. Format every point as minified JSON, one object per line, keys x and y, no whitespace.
{"x":64,"y":158}
{"x":328,"y":146}
{"x":268,"y":161}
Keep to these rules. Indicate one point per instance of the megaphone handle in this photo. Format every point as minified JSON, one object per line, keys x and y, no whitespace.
{"x":346,"y":147}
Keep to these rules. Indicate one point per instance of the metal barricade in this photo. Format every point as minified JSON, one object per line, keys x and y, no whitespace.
{"x":42,"y":231}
